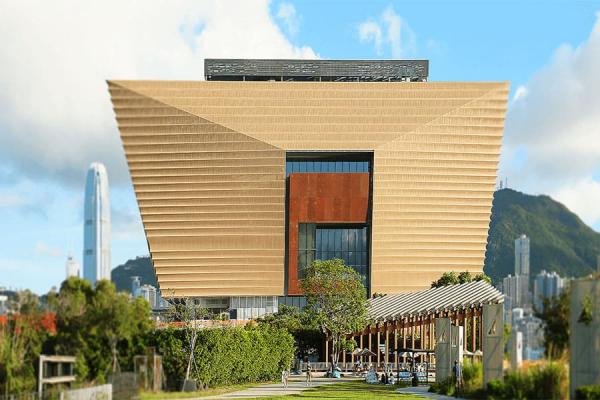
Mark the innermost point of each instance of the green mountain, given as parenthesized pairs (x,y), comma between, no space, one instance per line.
(559,240)
(139,266)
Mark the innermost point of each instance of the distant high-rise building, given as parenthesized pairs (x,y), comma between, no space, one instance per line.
(72,267)
(546,285)
(533,337)
(148,292)
(522,255)
(522,268)
(512,289)
(96,230)
(135,286)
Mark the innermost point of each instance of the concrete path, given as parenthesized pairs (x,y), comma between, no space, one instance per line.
(423,391)
(295,385)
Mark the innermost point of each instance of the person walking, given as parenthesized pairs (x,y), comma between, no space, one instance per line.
(285,374)
(308,374)
(457,377)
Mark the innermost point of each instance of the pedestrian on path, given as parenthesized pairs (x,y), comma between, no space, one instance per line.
(285,374)
(308,374)
(457,377)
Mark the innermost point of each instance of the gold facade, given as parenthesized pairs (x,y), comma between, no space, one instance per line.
(207,160)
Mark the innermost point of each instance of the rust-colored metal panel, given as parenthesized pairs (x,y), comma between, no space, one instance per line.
(323,198)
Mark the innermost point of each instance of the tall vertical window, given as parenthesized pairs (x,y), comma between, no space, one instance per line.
(306,247)
(350,243)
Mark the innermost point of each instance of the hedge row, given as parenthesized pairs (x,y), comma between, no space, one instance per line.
(591,392)
(226,356)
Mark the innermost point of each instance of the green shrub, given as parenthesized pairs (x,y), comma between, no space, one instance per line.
(591,392)
(472,376)
(445,387)
(548,382)
(226,356)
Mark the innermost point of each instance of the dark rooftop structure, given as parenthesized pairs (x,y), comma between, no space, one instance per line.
(223,69)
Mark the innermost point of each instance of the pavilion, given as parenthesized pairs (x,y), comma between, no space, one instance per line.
(404,323)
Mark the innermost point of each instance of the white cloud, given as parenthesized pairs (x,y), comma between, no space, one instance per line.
(520,93)
(370,31)
(55,111)
(43,249)
(554,122)
(287,14)
(391,30)
(582,197)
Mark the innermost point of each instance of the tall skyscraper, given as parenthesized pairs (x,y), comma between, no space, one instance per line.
(96,230)
(522,268)
(73,268)
(522,255)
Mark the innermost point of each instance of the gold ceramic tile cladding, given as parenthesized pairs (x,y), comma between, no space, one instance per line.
(207,160)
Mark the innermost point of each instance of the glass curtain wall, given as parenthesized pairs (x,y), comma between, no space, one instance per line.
(350,243)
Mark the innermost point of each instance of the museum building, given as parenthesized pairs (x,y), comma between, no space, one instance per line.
(245,178)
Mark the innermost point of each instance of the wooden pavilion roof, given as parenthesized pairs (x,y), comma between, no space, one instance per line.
(431,301)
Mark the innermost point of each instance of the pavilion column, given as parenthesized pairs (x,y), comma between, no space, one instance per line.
(404,330)
(352,353)
(370,344)
(344,359)
(431,333)
(464,324)
(412,333)
(473,330)
(387,343)
(421,333)
(480,318)
(377,327)
(396,343)
(425,339)
(327,351)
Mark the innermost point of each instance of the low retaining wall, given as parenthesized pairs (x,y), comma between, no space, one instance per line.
(103,392)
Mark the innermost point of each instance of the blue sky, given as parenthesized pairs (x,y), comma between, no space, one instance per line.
(56,117)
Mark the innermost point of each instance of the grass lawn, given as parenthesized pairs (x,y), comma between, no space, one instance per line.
(349,390)
(188,395)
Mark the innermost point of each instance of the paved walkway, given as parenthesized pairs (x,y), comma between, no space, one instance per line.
(296,385)
(423,391)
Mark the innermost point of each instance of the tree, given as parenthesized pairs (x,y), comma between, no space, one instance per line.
(308,339)
(336,302)
(22,334)
(101,327)
(555,316)
(186,314)
(451,278)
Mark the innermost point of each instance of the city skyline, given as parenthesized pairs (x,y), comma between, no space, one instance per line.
(40,195)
